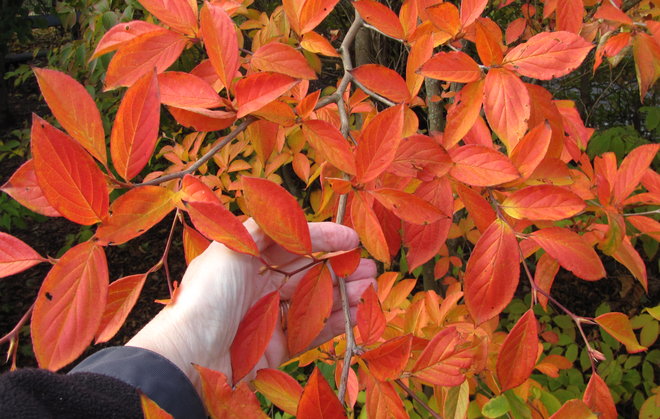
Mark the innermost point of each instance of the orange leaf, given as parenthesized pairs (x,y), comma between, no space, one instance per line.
(310,308)
(383,401)
(151,410)
(139,56)
(569,15)
(471,10)
(548,54)
(570,250)
(69,306)
(253,335)
(177,14)
(221,402)
(313,42)
(370,318)
(445,16)
(532,149)
(16,256)
(551,364)
(646,225)
(491,274)
(646,51)
(610,12)
(135,212)
(194,243)
(184,90)
(407,206)
(346,263)
(387,361)
(441,363)
(67,175)
(598,397)
(477,206)
(280,388)
(120,34)
(378,143)
(328,141)
(83,121)
(463,114)
(282,58)
(201,119)
(23,187)
(381,17)
(506,103)
(489,42)
(420,154)
(618,325)
(543,202)
(318,401)
(425,241)
(574,409)
(278,214)
(313,12)
(632,169)
(255,91)
(220,42)
(478,165)
(382,80)
(453,66)
(420,52)
(122,296)
(627,255)
(368,227)
(517,356)
(544,276)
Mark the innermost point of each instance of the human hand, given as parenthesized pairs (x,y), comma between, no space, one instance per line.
(220,286)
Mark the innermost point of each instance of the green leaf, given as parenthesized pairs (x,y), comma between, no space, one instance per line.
(496,407)
(649,333)
(518,408)
(550,402)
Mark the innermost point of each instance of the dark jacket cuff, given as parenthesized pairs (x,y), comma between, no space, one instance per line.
(154,375)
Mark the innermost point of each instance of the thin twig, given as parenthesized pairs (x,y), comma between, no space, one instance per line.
(207,156)
(417,399)
(372,93)
(14,332)
(167,252)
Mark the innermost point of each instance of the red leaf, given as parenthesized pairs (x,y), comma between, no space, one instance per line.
(610,12)
(318,401)
(346,263)
(278,214)
(548,54)
(67,175)
(184,90)
(139,56)
(478,165)
(368,227)
(570,250)
(569,15)
(632,169)
(506,103)
(463,114)
(310,308)
(532,149)
(253,335)
(618,325)
(201,119)
(280,388)
(221,402)
(69,306)
(378,143)
(441,363)
(598,397)
(16,256)
(471,10)
(477,206)
(382,80)
(135,131)
(383,401)
(491,274)
(420,153)
(23,187)
(646,51)
(420,52)
(220,42)
(179,15)
(517,356)
(122,296)
(83,121)
(381,17)
(328,141)
(135,212)
(120,34)
(407,206)
(282,58)
(453,66)
(543,202)
(370,318)
(387,361)
(255,91)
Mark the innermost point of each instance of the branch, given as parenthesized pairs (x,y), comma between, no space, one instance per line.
(417,399)
(166,252)
(206,157)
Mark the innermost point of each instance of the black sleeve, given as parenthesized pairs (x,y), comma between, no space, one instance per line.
(101,386)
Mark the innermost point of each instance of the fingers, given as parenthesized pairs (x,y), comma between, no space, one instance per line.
(331,237)
(335,326)
(354,289)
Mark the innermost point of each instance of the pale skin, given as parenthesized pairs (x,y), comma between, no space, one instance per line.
(221,285)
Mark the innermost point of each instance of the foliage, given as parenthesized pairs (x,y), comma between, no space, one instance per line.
(509,177)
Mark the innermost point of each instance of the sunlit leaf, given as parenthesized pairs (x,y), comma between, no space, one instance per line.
(220,42)
(532,149)
(407,206)
(16,256)
(478,165)
(120,34)
(453,66)
(506,103)
(370,318)
(282,58)
(318,401)
(328,141)
(378,144)
(543,202)
(387,361)
(184,90)
(382,399)
(463,114)
(380,16)
(24,188)
(368,227)
(632,169)
(618,325)
(255,91)
(382,80)
(179,15)
(280,388)
(441,362)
